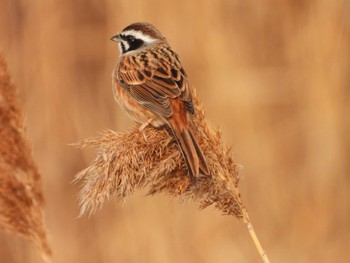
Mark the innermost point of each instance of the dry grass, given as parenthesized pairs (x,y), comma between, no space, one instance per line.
(21,199)
(132,160)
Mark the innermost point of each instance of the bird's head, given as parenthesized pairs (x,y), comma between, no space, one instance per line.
(137,36)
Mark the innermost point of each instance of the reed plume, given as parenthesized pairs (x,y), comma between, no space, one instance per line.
(131,160)
(21,198)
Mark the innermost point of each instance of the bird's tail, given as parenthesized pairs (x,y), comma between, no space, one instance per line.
(195,160)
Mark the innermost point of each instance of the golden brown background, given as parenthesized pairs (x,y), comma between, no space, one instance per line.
(275,75)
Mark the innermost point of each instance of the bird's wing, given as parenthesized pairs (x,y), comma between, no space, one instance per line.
(161,86)
(153,86)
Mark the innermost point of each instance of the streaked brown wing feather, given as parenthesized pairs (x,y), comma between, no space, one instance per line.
(153,86)
(152,100)
(131,78)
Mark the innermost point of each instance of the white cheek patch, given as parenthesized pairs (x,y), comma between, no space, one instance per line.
(123,47)
(139,35)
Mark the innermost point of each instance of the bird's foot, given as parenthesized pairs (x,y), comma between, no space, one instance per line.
(143,126)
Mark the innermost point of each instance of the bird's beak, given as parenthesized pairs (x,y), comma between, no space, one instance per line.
(116,38)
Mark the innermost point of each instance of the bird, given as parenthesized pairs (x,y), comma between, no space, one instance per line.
(151,86)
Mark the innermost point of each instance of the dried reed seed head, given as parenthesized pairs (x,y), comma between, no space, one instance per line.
(130,160)
(21,199)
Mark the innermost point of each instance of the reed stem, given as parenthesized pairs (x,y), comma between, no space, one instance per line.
(257,243)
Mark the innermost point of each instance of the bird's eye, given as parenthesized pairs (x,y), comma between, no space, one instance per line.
(131,38)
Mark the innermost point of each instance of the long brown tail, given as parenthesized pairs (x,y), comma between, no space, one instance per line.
(191,151)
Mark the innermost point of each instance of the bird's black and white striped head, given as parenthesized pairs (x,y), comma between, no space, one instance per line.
(136,37)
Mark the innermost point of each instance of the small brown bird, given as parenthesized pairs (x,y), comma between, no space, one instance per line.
(152,87)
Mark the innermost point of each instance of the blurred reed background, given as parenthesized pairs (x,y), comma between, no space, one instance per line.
(273,74)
